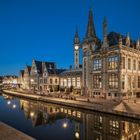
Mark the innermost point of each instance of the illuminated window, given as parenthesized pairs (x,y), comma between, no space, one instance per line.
(114,127)
(113,81)
(129,63)
(97,64)
(79,114)
(112,62)
(78,82)
(73,82)
(98,122)
(69,82)
(97,83)
(74,113)
(61,82)
(69,112)
(65,82)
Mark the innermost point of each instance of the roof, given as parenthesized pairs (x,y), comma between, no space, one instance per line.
(8,76)
(29,68)
(22,73)
(50,65)
(71,72)
(39,66)
(113,39)
(55,71)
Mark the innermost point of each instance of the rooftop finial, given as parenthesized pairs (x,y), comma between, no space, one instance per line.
(90,27)
(105,41)
(120,40)
(128,40)
(76,39)
(138,44)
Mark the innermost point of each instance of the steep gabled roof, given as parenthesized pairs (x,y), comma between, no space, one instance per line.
(29,68)
(39,66)
(22,73)
(50,65)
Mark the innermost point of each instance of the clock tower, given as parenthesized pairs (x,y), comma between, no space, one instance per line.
(76,51)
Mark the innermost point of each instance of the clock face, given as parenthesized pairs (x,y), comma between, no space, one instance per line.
(76,47)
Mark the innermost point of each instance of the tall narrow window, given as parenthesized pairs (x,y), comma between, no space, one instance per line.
(129,63)
(123,62)
(97,64)
(73,82)
(69,82)
(139,65)
(97,83)
(51,81)
(123,81)
(113,81)
(61,82)
(65,82)
(138,81)
(78,82)
(112,62)
(134,64)
(55,81)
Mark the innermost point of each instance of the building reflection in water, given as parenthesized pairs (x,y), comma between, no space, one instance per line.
(95,126)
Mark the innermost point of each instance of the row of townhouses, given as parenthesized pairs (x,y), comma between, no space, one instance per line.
(46,77)
(9,81)
(110,68)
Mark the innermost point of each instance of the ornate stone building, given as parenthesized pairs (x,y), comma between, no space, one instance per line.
(111,69)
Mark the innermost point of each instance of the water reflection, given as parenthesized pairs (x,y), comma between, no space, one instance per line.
(80,124)
(96,126)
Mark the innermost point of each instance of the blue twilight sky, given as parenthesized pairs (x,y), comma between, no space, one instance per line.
(44,29)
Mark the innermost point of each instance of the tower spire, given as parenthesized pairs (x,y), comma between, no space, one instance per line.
(76,39)
(120,41)
(90,27)
(128,40)
(76,50)
(105,42)
(138,44)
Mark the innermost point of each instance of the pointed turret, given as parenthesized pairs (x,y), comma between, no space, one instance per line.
(120,41)
(105,41)
(138,44)
(90,27)
(128,40)
(76,39)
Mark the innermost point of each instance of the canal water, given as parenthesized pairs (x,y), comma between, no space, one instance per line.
(45,121)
